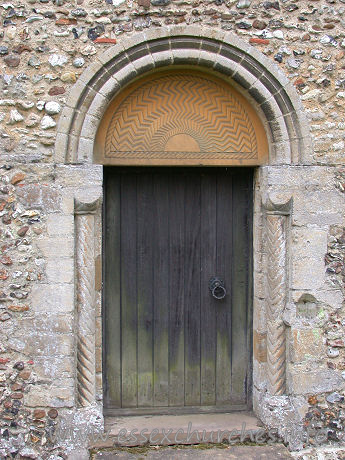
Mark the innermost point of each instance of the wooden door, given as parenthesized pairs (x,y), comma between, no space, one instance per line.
(169,345)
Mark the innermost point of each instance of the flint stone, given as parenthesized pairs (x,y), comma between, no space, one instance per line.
(57,60)
(52,108)
(47,122)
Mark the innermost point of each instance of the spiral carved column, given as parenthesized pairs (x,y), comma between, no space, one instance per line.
(85,279)
(276,224)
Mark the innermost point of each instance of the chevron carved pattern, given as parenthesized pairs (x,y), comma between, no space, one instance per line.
(276,299)
(174,105)
(86,314)
(276,274)
(276,357)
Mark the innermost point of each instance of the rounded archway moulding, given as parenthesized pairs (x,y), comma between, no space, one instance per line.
(180,117)
(253,75)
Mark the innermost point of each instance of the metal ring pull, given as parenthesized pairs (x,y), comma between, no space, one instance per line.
(217,288)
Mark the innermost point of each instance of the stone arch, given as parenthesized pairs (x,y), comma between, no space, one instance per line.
(224,53)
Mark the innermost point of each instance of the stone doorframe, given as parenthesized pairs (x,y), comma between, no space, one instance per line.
(279,107)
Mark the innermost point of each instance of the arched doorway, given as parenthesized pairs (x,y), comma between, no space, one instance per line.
(274,98)
(174,339)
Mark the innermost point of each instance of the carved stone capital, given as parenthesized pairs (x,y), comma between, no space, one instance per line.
(86,207)
(272,206)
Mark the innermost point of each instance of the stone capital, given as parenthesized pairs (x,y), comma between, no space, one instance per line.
(86,207)
(275,205)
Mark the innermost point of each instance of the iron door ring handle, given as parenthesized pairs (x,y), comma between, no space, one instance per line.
(217,288)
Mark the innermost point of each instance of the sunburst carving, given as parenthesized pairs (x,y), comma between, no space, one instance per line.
(176,105)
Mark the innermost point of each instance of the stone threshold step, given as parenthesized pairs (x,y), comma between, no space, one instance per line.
(165,430)
(274,452)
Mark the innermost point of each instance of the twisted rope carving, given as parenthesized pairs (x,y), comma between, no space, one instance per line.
(276,298)
(86,314)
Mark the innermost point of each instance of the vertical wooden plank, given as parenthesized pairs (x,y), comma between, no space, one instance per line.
(249,289)
(241,194)
(129,289)
(192,290)
(176,289)
(160,238)
(112,298)
(208,271)
(145,289)
(224,264)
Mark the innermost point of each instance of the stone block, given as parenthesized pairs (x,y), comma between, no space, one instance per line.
(98,270)
(305,382)
(65,119)
(186,56)
(259,314)
(98,328)
(89,127)
(98,357)
(78,454)
(260,284)
(59,224)
(307,273)
(225,66)
(126,74)
(110,88)
(301,178)
(73,144)
(67,201)
(53,367)
(39,344)
(56,247)
(82,176)
(333,297)
(194,31)
(38,396)
(88,75)
(47,323)
(206,59)
(60,270)
(96,109)
(279,132)
(57,298)
(309,249)
(99,387)
(48,396)
(306,345)
(260,346)
(110,54)
(162,58)
(61,146)
(144,64)
(37,196)
(317,207)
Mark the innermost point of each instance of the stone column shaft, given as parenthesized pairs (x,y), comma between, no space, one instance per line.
(277,293)
(85,279)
